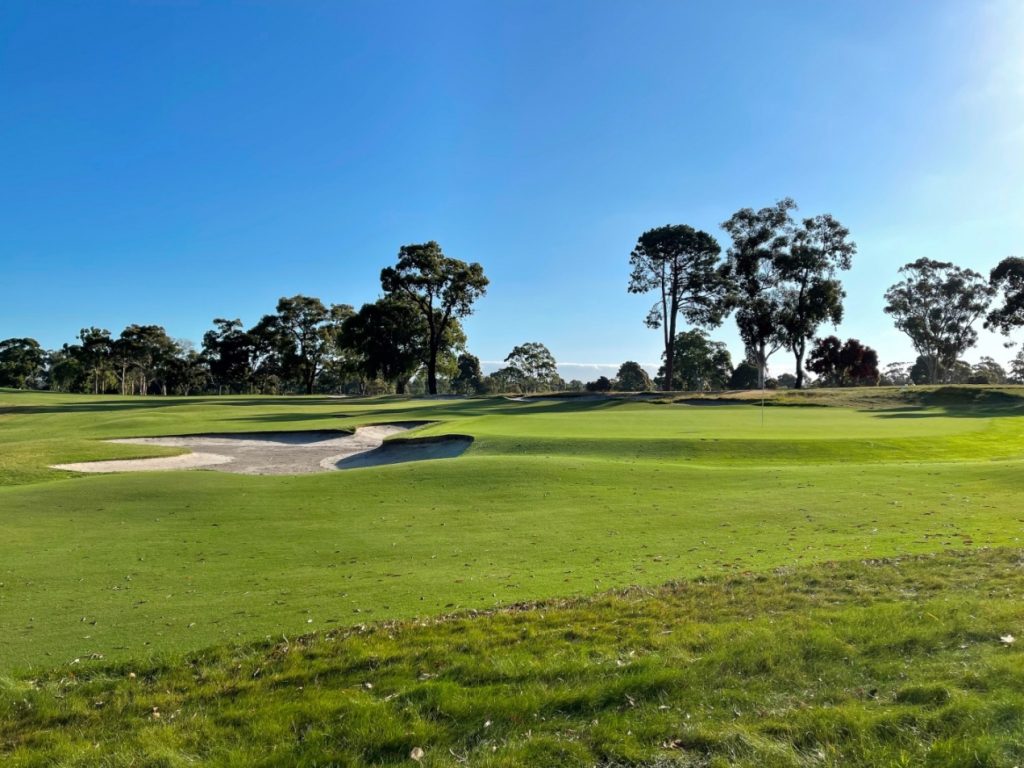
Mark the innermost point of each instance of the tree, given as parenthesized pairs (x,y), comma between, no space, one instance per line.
(896,375)
(1017,368)
(700,364)
(533,368)
(186,372)
(387,338)
(21,362)
(443,289)
(64,369)
(95,354)
(987,371)
(1008,279)
(811,295)
(681,264)
(601,384)
(758,239)
(469,380)
(921,370)
(843,365)
(936,305)
(859,364)
(503,380)
(303,330)
(139,353)
(787,381)
(633,378)
(229,351)
(745,376)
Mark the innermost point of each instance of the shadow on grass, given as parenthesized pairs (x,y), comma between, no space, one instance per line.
(158,401)
(347,408)
(448,410)
(955,402)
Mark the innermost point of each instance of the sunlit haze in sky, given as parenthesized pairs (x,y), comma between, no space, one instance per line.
(172,162)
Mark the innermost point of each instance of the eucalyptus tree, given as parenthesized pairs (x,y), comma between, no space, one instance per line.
(468,379)
(759,239)
(303,330)
(533,368)
(228,349)
(681,265)
(21,362)
(937,304)
(64,369)
(819,247)
(442,288)
(95,354)
(386,339)
(140,352)
(632,378)
(700,364)
(1007,278)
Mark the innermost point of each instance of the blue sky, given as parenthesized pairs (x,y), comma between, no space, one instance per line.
(171,162)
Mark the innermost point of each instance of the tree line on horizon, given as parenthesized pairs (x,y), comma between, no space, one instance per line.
(779,278)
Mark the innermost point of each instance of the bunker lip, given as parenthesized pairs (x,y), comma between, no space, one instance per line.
(401,451)
(279,453)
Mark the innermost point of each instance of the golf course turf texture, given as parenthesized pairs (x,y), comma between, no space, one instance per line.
(556,498)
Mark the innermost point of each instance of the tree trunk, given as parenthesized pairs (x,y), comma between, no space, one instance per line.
(432,373)
(400,386)
(798,352)
(762,366)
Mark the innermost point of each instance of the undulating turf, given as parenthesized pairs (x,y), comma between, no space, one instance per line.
(554,498)
(758,655)
(903,662)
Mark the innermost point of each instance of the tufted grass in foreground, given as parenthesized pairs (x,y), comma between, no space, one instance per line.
(892,662)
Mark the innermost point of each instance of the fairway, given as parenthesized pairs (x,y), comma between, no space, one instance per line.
(554,498)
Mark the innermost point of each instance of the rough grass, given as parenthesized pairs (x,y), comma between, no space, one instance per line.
(555,498)
(856,663)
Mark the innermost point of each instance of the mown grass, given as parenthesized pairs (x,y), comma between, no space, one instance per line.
(554,499)
(855,663)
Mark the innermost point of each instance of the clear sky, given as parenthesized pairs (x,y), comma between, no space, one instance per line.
(171,162)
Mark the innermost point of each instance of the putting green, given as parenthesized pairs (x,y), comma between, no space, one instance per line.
(555,497)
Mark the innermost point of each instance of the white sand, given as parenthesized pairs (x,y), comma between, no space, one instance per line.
(279,453)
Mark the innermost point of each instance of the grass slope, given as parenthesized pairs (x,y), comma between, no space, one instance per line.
(555,498)
(859,663)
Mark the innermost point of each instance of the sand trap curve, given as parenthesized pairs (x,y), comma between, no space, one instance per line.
(282,453)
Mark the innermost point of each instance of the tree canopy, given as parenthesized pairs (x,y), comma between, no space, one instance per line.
(841,364)
(681,264)
(302,330)
(442,288)
(387,339)
(819,247)
(937,304)
(21,362)
(701,365)
(757,298)
(1007,278)
(532,368)
(632,378)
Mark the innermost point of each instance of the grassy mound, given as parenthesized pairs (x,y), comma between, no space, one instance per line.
(857,663)
(553,499)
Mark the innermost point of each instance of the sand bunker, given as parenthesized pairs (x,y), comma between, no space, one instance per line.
(284,453)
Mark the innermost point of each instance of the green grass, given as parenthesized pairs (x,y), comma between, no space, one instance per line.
(557,499)
(858,663)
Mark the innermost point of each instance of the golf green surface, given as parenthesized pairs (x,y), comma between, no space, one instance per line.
(554,498)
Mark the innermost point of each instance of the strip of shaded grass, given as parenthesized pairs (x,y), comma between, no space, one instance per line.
(895,662)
